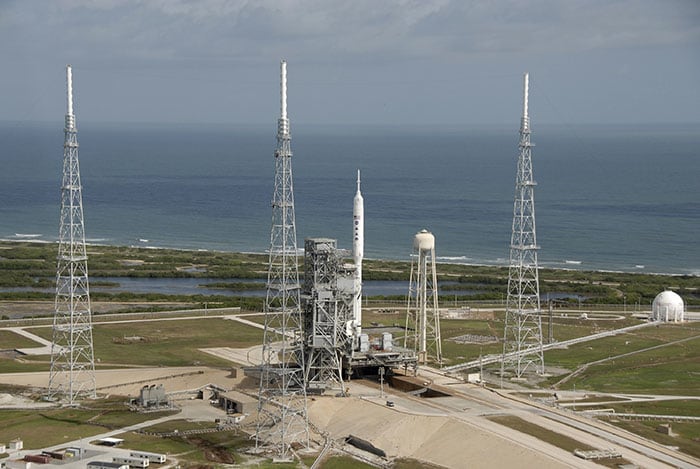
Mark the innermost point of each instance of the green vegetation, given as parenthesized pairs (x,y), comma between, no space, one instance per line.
(672,369)
(687,437)
(40,428)
(168,343)
(10,340)
(551,437)
(33,264)
(345,462)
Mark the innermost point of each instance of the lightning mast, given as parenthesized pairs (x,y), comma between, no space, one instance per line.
(282,416)
(72,372)
(522,340)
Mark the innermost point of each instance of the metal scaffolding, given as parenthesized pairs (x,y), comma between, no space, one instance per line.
(282,416)
(423,317)
(522,339)
(327,296)
(72,372)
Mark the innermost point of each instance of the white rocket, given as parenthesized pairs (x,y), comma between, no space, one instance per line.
(358,248)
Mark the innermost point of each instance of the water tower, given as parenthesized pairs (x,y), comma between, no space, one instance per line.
(422,319)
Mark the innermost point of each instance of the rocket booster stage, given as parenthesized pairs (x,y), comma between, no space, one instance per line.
(358,248)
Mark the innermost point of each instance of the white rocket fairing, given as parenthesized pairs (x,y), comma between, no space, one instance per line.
(358,248)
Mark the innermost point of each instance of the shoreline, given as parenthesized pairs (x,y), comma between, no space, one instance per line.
(445,260)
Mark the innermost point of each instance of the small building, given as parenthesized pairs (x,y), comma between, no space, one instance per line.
(16,444)
(106,465)
(234,402)
(668,306)
(153,396)
(666,429)
(109,441)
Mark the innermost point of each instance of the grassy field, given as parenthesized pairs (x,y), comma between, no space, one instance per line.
(673,369)
(553,438)
(10,340)
(687,437)
(47,427)
(168,343)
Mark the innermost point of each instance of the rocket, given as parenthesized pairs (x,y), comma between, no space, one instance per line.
(358,248)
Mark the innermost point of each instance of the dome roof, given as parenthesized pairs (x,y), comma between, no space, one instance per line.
(668,298)
(667,306)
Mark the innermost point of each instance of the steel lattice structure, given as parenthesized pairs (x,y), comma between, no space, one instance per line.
(423,318)
(282,416)
(522,339)
(328,296)
(72,374)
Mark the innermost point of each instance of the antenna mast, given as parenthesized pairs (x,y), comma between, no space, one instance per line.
(72,373)
(522,340)
(282,416)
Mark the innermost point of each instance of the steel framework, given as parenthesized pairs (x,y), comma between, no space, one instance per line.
(328,295)
(72,372)
(282,416)
(423,318)
(522,339)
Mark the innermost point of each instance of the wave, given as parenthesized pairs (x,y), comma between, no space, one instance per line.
(31,235)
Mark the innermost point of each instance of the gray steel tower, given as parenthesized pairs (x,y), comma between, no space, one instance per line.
(282,417)
(522,339)
(328,295)
(72,374)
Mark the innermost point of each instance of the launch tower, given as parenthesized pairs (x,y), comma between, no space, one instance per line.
(282,416)
(72,372)
(328,297)
(423,319)
(522,340)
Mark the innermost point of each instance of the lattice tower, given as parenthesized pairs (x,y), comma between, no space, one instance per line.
(282,419)
(72,372)
(522,340)
(422,318)
(328,295)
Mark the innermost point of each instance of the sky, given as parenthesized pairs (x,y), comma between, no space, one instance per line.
(396,62)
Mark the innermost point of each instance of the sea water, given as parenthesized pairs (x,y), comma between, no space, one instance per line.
(623,198)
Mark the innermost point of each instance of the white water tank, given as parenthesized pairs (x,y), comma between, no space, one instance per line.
(424,241)
(667,307)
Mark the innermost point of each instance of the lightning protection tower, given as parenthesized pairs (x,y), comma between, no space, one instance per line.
(522,340)
(72,372)
(422,318)
(282,417)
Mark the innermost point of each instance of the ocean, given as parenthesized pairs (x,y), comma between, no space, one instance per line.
(620,198)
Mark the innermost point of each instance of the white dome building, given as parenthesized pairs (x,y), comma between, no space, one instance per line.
(667,307)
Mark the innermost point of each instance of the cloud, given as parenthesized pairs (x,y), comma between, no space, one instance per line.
(223,30)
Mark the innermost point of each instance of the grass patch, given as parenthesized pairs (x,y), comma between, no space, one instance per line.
(408,463)
(10,340)
(168,343)
(47,427)
(687,441)
(541,433)
(548,436)
(345,462)
(689,407)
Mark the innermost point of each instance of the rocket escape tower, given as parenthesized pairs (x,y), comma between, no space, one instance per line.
(282,417)
(522,341)
(72,374)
